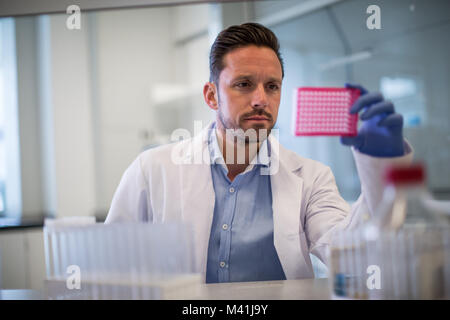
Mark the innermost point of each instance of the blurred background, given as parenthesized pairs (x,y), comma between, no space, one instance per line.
(77,106)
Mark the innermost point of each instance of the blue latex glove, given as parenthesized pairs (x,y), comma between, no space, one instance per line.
(381,132)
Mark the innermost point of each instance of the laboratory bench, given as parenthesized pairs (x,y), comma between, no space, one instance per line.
(303,289)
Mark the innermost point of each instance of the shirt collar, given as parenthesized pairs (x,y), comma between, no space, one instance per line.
(262,158)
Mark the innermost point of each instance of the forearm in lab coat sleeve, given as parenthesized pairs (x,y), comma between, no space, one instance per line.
(329,212)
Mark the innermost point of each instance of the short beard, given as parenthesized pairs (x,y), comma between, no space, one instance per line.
(251,135)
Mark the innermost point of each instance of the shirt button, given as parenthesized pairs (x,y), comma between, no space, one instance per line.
(224,226)
(231,190)
(222,264)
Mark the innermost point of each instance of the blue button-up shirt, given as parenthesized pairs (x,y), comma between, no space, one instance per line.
(241,242)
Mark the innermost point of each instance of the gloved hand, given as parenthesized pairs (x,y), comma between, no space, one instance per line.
(381,132)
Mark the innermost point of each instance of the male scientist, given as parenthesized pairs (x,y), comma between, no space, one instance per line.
(252,223)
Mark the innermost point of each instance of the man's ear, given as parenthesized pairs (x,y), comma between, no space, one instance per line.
(209,94)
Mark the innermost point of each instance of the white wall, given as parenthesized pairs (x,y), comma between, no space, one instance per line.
(85,99)
(133,52)
(136,52)
(22,259)
(72,124)
(10,113)
(28,112)
(54,118)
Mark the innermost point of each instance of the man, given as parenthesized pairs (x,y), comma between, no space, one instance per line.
(249,225)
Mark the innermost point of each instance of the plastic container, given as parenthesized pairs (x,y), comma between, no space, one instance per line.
(121,261)
(402,252)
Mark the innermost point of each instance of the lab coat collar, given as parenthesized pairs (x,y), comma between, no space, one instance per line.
(287,189)
(262,158)
(273,155)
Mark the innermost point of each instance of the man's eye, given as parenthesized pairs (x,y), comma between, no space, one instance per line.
(243,85)
(273,87)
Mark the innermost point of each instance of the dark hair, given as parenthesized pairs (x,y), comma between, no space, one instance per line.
(239,36)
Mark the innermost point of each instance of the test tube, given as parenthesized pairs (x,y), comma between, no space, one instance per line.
(131,246)
(140,260)
(92,262)
(74,257)
(57,258)
(392,269)
(401,264)
(373,259)
(446,249)
(100,254)
(339,257)
(102,237)
(350,264)
(412,254)
(386,267)
(359,265)
(48,247)
(112,262)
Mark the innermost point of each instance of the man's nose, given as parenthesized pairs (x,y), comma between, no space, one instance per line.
(259,99)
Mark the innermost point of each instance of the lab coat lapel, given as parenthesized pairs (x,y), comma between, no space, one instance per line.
(287,187)
(198,202)
(198,195)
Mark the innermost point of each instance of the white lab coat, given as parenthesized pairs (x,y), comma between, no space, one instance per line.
(307,206)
